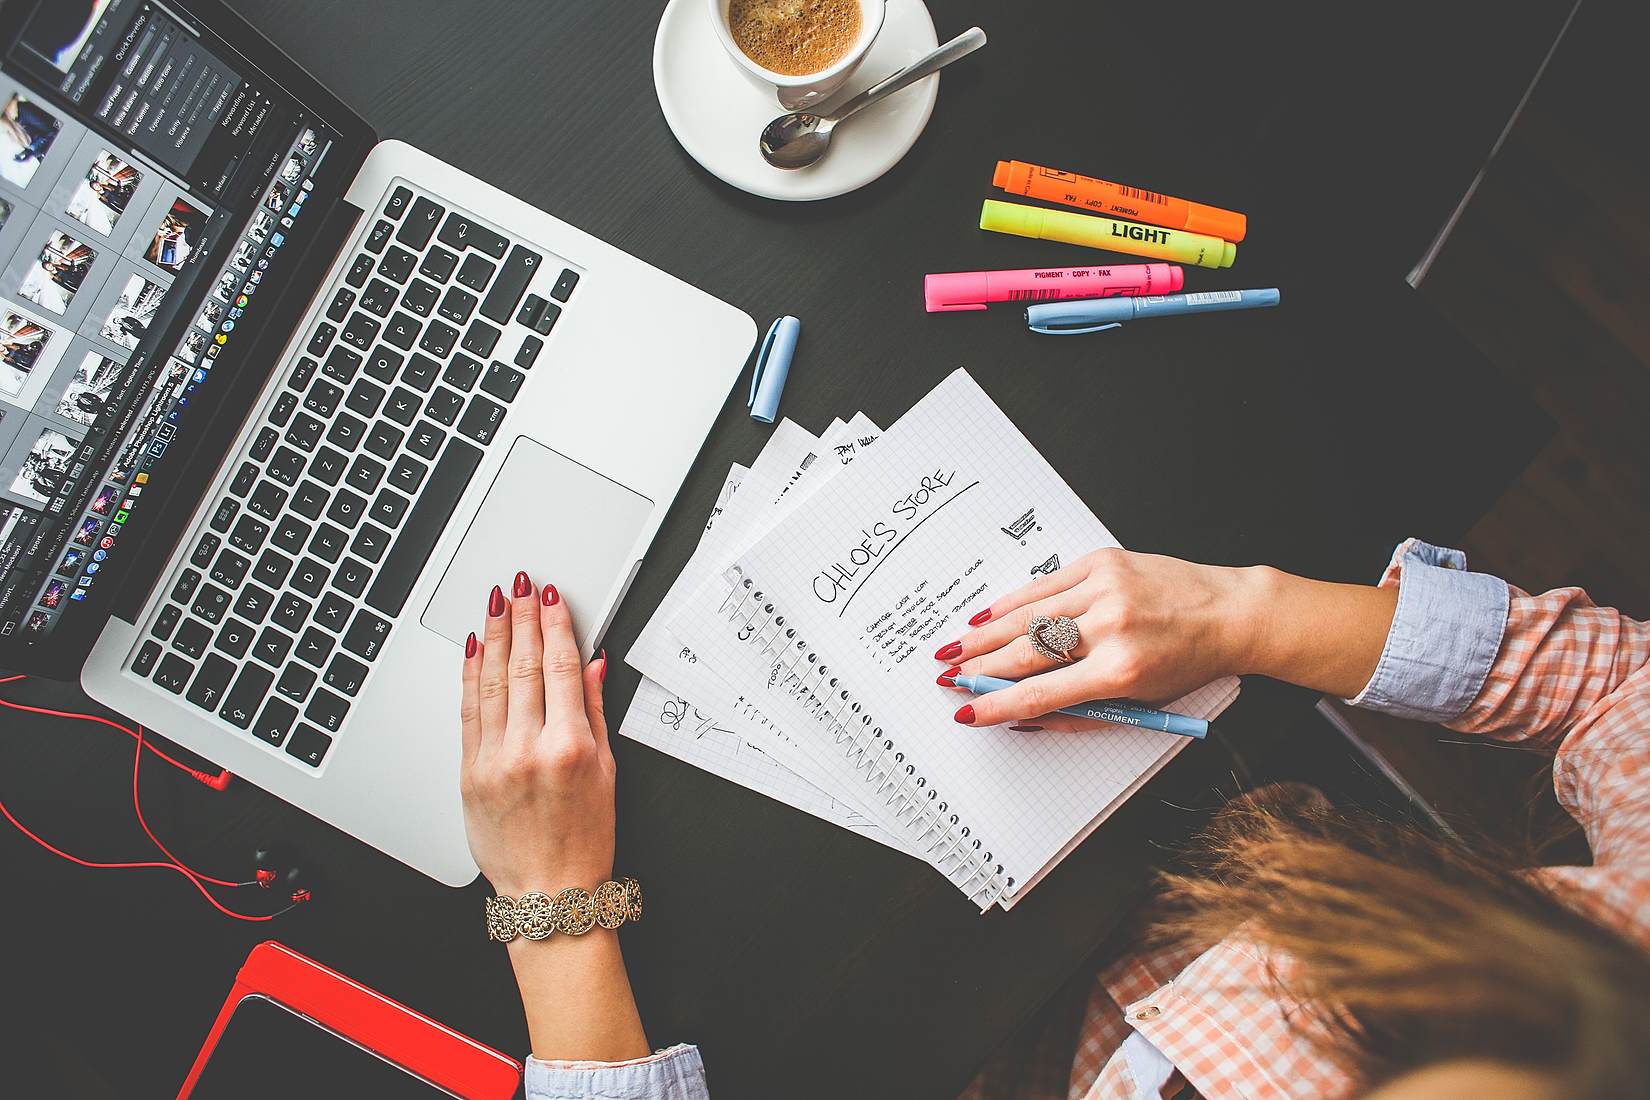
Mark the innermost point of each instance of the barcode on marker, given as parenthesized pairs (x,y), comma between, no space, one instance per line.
(1143,196)
(1032,295)
(1210,297)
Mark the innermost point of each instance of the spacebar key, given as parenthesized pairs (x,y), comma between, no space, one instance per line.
(510,284)
(423,527)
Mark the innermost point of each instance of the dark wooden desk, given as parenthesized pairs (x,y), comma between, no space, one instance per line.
(806,961)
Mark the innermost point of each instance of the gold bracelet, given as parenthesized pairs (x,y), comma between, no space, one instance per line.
(573,912)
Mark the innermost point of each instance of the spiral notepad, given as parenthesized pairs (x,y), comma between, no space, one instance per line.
(829,622)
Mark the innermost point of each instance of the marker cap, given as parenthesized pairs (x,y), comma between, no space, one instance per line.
(951,292)
(1212,221)
(773,366)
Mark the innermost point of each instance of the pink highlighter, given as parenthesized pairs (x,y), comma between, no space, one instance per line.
(961,290)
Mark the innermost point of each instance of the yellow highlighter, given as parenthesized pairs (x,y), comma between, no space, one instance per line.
(1108,233)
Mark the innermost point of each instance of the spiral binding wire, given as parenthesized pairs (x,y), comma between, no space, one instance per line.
(962,857)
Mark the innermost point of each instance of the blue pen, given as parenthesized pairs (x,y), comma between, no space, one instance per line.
(1103,710)
(1097,314)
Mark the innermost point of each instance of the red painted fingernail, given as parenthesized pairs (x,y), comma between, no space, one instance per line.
(495,602)
(550,595)
(965,714)
(523,586)
(948,678)
(470,646)
(949,652)
(981,618)
(601,676)
(1025,729)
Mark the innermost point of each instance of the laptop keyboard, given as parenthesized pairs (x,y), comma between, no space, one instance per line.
(310,552)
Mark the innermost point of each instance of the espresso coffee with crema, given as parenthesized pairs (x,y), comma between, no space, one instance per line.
(794,37)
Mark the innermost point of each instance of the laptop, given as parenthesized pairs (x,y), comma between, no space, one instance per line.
(280,402)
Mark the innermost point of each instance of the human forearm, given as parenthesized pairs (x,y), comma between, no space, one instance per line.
(577,997)
(1320,635)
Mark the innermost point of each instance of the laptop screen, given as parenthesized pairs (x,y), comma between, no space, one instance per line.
(150,176)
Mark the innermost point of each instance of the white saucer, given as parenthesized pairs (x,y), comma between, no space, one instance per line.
(716,112)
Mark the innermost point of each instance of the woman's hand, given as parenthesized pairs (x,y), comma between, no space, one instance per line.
(537,773)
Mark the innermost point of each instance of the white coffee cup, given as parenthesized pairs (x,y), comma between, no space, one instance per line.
(797,93)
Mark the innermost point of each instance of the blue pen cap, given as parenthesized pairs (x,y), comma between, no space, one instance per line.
(1092,314)
(773,366)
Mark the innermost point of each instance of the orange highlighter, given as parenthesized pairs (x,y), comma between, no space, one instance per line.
(1117,200)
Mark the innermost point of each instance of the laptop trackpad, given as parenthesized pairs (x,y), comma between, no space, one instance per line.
(562,522)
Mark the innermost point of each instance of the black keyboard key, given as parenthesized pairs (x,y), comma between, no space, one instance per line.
(481,420)
(328,543)
(309,577)
(145,659)
(347,431)
(388,508)
(248,694)
(378,238)
(211,682)
(351,577)
(402,407)
(364,398)
(365,473)
(546,321)
(439,340)
(420,225)
(211,603)
(459,233)
(328,466)
(254,602)
(267,438)
(347,508)
(532,308)
(173,673)
(272,569)
(338,309)
(476,273)
(425,440)
(370,542)
(503,382)
(309,500)
(314,647)
(367,635)
(205,549)
(287,466)
(272,647)
(333,612)
(248,535)
(384,363)
(379,297)
(457,305)
(244,479)
(295,682)
(422,528)
(267,499)
(360,332)
(282,412)
(397,264)
(421,298)
(192,638)
(565,284)
(166,621)
(309,745)
(438,264)
(345,674)
(275,721)
(290,533)
(421,372)
(323,399)
(481,339)
(443,406)
(463,372)
(397,206)
(530,348)
(305,432)
(230,568)
(408,474)
(234,637)
(185,586)
(359,270)
(510,284)
(322,337)
(224,514)
(402,330)
(291,611)
(341,364)
(383,439)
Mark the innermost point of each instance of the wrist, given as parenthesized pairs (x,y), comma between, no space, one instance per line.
(1245,636)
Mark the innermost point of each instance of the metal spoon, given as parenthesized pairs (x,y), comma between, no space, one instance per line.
(798,139)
